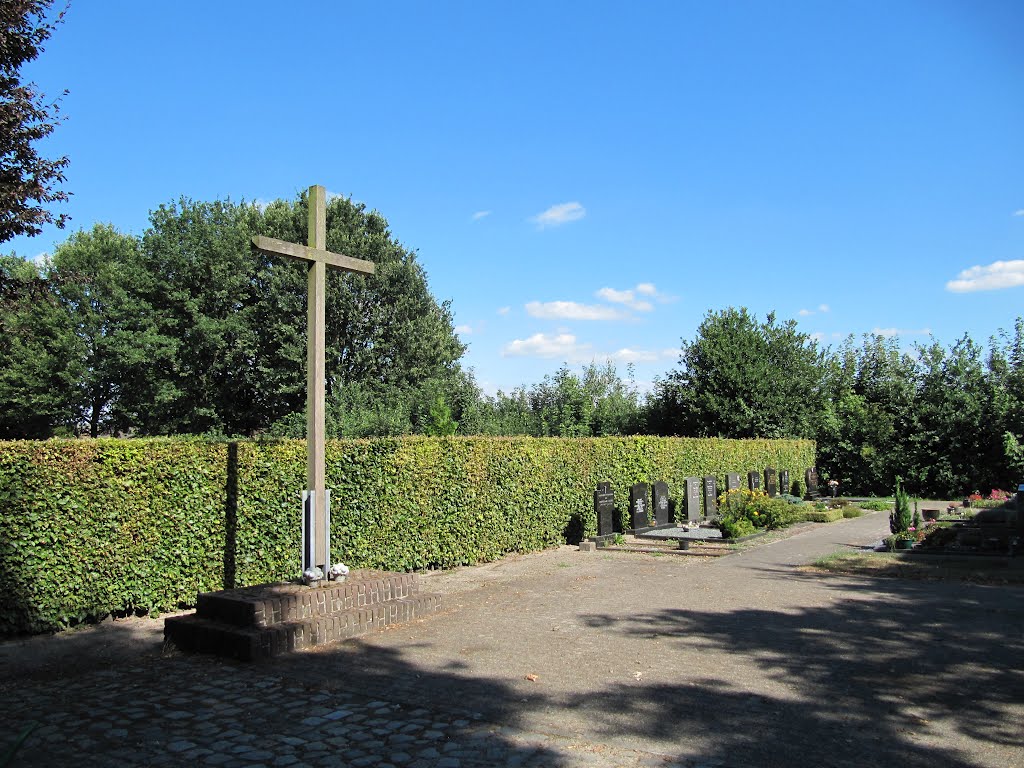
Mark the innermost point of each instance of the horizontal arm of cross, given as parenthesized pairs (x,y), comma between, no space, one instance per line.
(274,247)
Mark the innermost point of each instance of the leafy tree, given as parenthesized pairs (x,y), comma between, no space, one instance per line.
(239,317)
(94,276)
(867,420)
(39,354)
(28,181)
(742,378)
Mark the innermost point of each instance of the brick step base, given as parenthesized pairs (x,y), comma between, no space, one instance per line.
(271,619)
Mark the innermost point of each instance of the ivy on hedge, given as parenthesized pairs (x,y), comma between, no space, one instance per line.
(90,527)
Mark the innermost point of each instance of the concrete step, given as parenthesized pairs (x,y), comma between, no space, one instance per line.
(271,619)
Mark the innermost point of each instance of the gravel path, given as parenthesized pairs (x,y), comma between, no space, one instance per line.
(565,658)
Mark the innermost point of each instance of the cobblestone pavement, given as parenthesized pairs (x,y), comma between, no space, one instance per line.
(203,712)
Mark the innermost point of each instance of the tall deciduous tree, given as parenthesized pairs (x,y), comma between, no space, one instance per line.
(28,181)
(742,378)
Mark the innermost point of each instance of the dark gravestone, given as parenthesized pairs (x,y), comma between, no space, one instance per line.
(784,481)
(732,481)
(661,508)
(693,499)
(754,480)
(710,498)
(811,481)
(604,509)
(639,506)
(770,482)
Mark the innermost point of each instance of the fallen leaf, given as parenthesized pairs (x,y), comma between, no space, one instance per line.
(532,678)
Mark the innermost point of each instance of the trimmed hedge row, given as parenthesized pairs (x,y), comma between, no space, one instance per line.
(90,527)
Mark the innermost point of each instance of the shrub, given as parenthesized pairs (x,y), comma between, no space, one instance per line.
(822,515)
(899,518)
(735,528)
(875,505)
(757,508)
(851,512)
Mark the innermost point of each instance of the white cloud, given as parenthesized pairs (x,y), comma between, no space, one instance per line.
(542,345)
(504,310)
(480,214)
(1019,213)
(887,332)
(41,259)
(571,310)
(464,329)
(817,336)
(559,214)
(647,289)
(627,355)
(668,352)
(625,297)
(991,277)
(823,308)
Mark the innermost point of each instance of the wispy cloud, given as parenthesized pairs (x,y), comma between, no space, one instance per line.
(991,277)
(822,308)
(571,310)
(480,215)
(563,345)
(625,297)
(41,259)
(464,329)
(1019,213)
(559,214)
(504,310)
(887,332)
(817,336)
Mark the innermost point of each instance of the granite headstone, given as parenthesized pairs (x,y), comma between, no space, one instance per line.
(604,509)
(639,506)
(710,498)
(661,505)
(811,480)
(693,499)
(754,480)
(784,481)
(771,484)
(732,481)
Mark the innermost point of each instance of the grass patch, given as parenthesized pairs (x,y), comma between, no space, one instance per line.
(894,565)
(876,505)
(823,515)
(849,512)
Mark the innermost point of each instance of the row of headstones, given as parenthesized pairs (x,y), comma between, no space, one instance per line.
(642,515)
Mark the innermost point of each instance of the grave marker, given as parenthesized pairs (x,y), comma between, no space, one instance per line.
(693,499)
(604,509)
(316,519)
(811,482)
(770,482)
(639,508)
(710,498)
(784,483)
(661,505)
(754,480)
(732,481)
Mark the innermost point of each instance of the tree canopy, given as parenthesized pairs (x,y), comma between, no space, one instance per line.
(28,181)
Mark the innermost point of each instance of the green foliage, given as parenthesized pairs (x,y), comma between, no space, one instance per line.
(875,505)
(851,512)
(756,508)
(825,515)
(29,180)
(899,518)
(93,526)
(742,378)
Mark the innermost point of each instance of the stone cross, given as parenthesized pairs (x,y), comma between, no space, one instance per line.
(316,545)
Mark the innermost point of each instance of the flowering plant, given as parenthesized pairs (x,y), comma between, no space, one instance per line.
(998,495)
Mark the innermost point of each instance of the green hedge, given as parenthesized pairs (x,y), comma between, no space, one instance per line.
(90,527)
(823,515)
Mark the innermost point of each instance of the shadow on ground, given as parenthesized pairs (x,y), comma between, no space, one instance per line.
(928,676)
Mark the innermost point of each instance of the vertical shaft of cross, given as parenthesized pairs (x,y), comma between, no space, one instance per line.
(316,384)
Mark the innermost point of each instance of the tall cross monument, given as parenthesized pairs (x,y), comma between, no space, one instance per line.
(316,499)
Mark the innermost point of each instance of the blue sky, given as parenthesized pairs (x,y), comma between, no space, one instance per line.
(586,180)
